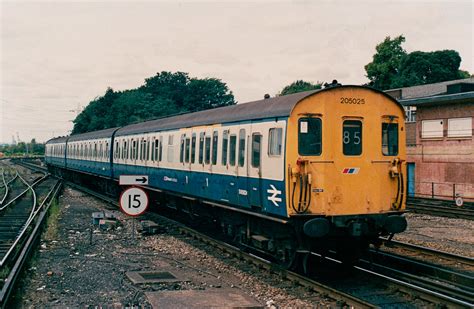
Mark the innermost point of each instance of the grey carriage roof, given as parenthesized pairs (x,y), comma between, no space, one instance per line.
(266,108)
(93,135)
(58,140)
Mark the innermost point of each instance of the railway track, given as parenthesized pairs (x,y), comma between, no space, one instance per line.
(21,219)
(441,208)
(383,281)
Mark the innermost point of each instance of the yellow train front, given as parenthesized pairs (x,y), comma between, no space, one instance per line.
(345,158)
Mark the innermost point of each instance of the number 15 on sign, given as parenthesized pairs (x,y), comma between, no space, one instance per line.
(134,201)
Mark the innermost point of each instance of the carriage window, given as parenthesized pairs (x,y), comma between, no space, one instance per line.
(160,150)
(390,139)
(241,147)
(193,148)
(208,150)
(256,146)
(181,149)
(309,137)
(225,144)
(201,147)
(215,138)
(153,149)
(274,141)
(352,137)
(170,153)
(232,148)
(186,150)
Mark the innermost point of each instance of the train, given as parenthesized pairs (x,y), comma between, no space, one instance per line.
(315,171)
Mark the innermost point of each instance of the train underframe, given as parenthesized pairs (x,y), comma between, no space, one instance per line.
(287,242)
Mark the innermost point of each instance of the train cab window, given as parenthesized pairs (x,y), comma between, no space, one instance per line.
(215,138)
(390,139)
(274,141)
(232,149)
(256,147)
(241,147)
(352,137)
(225,145)
(309,137)
(207,158)
(201,147)
(187,150)
(193,148)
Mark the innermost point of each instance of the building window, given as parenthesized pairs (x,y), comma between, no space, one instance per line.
(432,128)
(460,127)
(410,112)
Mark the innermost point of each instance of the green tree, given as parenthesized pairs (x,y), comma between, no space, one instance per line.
(419,68)
(164,94)
(299,86)
(385,64)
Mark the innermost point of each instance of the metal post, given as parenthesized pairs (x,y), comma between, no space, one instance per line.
(432,190)
(133,228)
(454,190)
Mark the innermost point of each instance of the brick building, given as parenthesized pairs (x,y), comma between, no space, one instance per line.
(440,147)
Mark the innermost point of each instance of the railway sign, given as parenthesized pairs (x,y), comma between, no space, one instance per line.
(130,180)
(134,201)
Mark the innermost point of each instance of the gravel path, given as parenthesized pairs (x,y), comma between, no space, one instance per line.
(71,271)
(446,234)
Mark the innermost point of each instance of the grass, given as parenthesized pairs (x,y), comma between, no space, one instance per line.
(52,223)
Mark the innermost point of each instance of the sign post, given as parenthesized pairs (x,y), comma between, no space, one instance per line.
(134,202)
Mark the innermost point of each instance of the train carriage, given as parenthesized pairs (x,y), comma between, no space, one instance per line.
(314,170)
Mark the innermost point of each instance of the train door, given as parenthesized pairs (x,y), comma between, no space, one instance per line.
(255,172)
(411,179)
(243,166)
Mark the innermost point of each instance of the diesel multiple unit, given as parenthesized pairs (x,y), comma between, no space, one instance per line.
(319,170)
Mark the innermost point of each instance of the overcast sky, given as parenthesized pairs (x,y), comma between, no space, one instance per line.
(58,55)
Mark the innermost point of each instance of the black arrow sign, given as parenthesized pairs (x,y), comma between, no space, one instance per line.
(142,180)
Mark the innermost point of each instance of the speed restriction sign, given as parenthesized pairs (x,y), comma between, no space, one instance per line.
(134,201)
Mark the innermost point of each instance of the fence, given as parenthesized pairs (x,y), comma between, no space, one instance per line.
(443,190)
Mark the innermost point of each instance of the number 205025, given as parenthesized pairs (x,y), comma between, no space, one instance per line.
(345,100)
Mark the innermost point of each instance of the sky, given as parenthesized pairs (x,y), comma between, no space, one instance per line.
(58,56)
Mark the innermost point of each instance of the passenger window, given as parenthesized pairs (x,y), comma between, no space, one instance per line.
(232,149)
(208,150)
(241,147)
(274,141)
(193,148)
(256,145)
(215,137)
(225,144)
(187,149)
(201,147)
(390,139)
(160,150)
(352,137)
(309,137)
(181,149)
(170,153)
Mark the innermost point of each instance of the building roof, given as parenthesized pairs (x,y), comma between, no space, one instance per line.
(464,97)
(428,90)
